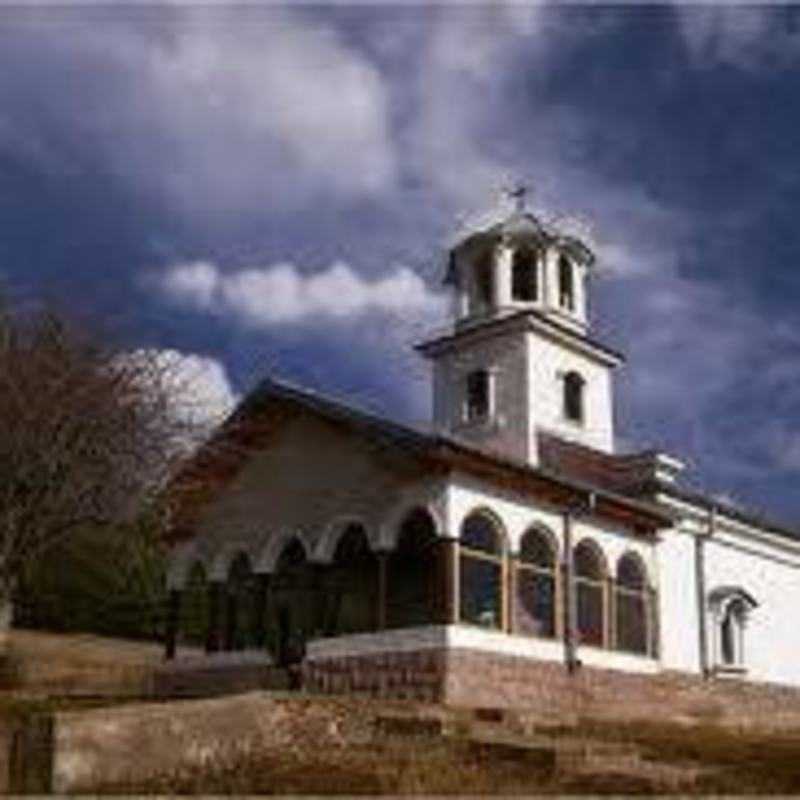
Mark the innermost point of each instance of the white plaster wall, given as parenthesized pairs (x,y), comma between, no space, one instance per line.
(310,476)
(678,606)
(466,494)
(548,362)
(772,577)
(505,356)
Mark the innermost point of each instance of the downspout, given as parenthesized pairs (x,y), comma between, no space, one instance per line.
(700,576)
(570,610)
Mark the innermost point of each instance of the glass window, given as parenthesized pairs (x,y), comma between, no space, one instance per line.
(481,560)
(566,284)
(524,275)
(477,395)
(573,397)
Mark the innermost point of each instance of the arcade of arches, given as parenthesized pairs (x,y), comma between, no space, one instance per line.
(426,579)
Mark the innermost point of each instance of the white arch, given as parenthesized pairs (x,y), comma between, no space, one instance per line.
(180,561)
(223,558)
(389,529)
(267,558)
(326,547)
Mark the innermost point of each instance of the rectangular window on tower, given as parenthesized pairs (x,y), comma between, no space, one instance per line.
(477,404)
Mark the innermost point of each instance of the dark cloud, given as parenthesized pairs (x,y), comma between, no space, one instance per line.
(133,139)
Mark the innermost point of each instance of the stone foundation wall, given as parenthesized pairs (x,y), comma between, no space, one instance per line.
(466,678)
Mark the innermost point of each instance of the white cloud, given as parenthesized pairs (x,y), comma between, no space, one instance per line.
(281,294)
(219,110)
(199,386)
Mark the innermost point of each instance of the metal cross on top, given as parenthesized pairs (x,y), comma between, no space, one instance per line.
(518,193)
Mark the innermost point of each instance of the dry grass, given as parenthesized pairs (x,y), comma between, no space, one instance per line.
(692,760)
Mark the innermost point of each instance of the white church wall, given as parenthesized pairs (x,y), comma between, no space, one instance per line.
(506,430)
(772,576)
(549,362)
(310,476)
(678,603)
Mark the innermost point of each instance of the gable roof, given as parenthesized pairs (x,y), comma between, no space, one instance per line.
(250,426)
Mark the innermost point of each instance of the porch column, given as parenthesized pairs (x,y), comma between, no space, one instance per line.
(231,618)
(260,611)
(382,558)
(448,553)
(511,594)
(651,621)
(569,610)
(610,612)
(173,622)
(214,634)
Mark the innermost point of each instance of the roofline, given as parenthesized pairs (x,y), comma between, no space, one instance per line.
(534,316)
(711,504)
(436,444)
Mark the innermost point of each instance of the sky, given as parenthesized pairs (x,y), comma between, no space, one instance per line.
(271,189)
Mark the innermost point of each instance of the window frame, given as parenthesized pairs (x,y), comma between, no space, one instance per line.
(574,392)
(485,412)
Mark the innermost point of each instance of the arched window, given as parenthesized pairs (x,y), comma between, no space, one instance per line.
(731,607)
(590,576)
(413,572)
(478,400)
(352,584)
(536,585)
(524,275)
(573,396)
(483,280)
(631,605)
(481,571)
(566,283)
(194,607)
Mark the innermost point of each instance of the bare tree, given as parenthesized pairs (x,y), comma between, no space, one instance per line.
(88,435)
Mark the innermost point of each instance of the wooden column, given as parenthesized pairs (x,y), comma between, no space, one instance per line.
(213,636)
(382,558)
(610,612)
(651,620)
(449,603)
(511,594)
(173,623)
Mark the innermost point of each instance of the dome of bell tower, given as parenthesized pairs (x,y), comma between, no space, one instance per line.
(518,263)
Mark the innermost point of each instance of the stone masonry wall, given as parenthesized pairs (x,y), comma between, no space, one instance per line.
(476,679)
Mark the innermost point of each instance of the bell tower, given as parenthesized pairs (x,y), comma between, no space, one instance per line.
(518,358)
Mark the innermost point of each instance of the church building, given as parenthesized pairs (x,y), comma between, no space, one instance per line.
(499,556)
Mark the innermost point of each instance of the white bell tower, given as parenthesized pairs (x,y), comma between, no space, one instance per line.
(519,358)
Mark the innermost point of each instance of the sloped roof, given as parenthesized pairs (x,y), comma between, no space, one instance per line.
(215,466)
